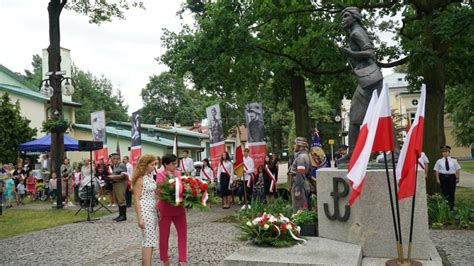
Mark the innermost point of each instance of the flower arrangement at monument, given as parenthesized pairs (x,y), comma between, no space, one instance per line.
(187,191)
(272,230)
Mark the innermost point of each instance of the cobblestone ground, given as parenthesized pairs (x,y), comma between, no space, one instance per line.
(106,242)
(458,245)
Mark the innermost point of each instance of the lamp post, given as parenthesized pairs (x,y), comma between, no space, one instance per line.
(51,88)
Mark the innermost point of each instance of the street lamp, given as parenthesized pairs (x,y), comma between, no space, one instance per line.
(51,88)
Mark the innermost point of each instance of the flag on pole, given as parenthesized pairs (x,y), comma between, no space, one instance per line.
(411,150)
(117,147)
(363,148)
(239,156)
(318,157)
(384,136)
(175,143)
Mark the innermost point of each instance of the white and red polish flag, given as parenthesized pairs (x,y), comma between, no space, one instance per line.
(376,134)
(384,135)
(361,154)
(411,150)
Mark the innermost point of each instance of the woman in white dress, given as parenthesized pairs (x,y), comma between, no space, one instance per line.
(144,191)
(206,173)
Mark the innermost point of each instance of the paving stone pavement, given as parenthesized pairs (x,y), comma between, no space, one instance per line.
(457,244)
(107,242)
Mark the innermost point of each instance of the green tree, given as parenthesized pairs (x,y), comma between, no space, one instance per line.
(35,76)
(165,97)
(95,94)
(15,129)
(238,47)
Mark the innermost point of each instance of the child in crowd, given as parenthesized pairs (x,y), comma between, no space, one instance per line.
(258,193)
(76,181)
(40,188)
(9,190)
(53,186)
(31,186)
(21,193)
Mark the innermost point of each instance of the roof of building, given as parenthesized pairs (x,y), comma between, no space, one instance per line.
(146,138)
(18,78)
(32,94)
(172,130)
(396,80)
(29,90)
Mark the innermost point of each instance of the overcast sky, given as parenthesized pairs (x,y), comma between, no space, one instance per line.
(122,50)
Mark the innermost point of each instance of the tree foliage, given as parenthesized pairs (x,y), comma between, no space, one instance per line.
(15,129)
(36,75)
(95,94)
(165,98)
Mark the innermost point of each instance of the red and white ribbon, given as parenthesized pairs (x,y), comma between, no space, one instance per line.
(179,191)
(205,174)
(204,198)
(250,181)
(227,172)
(183,167)
(272,177)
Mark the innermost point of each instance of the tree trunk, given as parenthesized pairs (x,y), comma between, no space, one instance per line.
(54,65)
(300,104)
(434,136)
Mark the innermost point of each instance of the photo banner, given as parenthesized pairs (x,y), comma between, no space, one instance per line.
(136,148)
(99,133)
(256,132)
(216,134)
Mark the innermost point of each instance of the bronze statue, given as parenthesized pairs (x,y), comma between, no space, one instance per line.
(361,56)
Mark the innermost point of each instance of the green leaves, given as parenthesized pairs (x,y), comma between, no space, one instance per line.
(15,129)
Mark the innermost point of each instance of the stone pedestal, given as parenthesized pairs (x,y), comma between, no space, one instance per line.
(316,251)
(370,221)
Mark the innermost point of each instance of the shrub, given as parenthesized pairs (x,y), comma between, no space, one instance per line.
(438,211)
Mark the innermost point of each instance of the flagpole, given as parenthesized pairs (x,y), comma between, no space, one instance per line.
(412,212)
(397,206)
(400,258)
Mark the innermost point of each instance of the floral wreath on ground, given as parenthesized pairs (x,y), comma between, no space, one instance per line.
(187,191)
(272,230)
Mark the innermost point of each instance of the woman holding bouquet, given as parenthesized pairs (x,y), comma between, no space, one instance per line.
(171,214)
(144,187)
(225,172)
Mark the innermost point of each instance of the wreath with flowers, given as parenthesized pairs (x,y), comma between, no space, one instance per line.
(272,230)
(186,191)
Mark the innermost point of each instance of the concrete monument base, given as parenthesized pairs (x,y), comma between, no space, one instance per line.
(369,223)
(316,251)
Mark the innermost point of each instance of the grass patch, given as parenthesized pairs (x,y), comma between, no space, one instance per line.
(467,166)
(464,194)
(19,221)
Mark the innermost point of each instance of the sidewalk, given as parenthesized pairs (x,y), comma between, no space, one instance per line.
(466,180)
(108,242)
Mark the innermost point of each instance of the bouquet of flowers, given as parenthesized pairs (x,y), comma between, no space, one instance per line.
(187,191)
(305,217)
(270,230)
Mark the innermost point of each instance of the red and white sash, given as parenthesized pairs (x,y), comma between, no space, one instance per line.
(272,177)
(250,181)
(183,167)
(205,174)
(228,173)
(178,196)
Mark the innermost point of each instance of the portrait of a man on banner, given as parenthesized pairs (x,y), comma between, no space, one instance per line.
(254,119)
(98,126)
(215,124)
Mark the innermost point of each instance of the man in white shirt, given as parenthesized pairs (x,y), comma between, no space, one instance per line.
(128,192)
(248,173)
(186,164)
(447,172)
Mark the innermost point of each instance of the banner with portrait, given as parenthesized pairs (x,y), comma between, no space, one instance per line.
(256,132)
(99,133)
(136,148)
(216,134)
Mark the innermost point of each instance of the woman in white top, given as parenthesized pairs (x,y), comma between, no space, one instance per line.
(225,172)
(144,190)
(206,173)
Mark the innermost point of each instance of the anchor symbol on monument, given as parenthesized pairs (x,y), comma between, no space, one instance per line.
(336,194)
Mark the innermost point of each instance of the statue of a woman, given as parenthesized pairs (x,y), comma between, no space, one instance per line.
(361,55)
